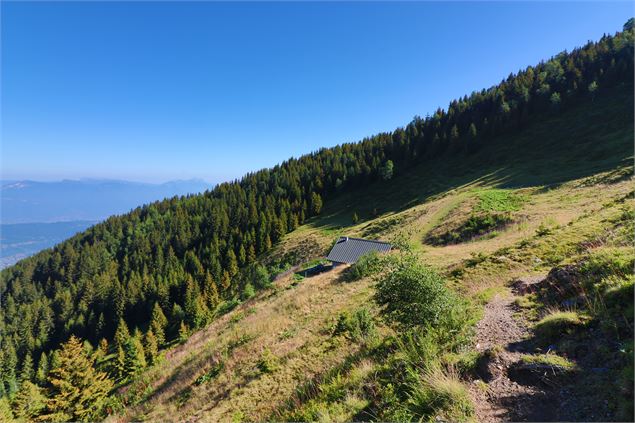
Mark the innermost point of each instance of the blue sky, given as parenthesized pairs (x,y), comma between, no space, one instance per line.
(157,91)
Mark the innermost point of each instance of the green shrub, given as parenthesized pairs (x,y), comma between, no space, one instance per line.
(476,225)
(210,374)
(551,327)
(414,295)
(358,326)
(367,265)
(248,291)
(268,362)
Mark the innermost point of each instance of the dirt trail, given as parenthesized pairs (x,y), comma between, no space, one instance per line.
(501,399)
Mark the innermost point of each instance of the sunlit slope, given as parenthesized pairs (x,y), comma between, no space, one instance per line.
(562,181)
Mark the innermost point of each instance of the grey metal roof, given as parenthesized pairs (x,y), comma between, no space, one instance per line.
(349,250)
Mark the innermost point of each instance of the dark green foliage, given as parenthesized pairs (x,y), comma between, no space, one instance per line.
(367,265)
(478,224)
(161,253)
(358,325)
(387,170)
(413,295)
(210,374)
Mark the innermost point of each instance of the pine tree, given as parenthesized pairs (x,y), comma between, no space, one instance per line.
(119,365)
(78,392)
(134,360)
(158,323)
(122,334)
(103,348)
(29,402)
(151,346)
(184,332)
(42,372)
(231,264)
(316,203)
(9,363)
(5,410)
(226,281)
(211,291)
(27,373)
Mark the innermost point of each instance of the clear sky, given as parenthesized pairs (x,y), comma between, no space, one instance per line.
(157,91)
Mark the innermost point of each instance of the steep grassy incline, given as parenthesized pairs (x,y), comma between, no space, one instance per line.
(559,193)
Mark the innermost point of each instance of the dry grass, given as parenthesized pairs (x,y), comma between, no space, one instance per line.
(305,312)
(292,322)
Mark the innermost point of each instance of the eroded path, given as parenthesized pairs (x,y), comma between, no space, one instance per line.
(501,336)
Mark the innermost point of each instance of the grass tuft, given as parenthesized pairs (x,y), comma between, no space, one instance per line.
(555,324)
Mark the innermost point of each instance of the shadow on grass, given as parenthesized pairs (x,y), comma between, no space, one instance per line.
(589,139)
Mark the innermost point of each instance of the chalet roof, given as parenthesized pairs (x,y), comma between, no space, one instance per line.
(349,250)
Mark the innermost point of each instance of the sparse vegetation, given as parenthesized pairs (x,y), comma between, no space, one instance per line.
(554,325)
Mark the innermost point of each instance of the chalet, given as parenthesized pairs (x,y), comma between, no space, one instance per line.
(348,250)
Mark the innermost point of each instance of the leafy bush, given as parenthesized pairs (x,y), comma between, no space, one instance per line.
(210,374)
(248,291)
(359,325)
(414,295)
(268,362)
(367,264)
(478,224)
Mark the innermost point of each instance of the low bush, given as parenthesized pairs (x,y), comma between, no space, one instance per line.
(477,225)
(268,362)
(367,265)
(358,326)
(414,295)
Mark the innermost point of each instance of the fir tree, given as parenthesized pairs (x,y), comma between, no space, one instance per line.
(184,332)
(122,334)
(42,372)
(27,372)
(151,346)
(158,323)
(29,402)
(78,392)
(134,357)
(6,415)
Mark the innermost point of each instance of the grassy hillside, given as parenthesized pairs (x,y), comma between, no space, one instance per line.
(558,195)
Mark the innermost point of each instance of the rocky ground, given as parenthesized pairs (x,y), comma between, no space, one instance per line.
(502,394)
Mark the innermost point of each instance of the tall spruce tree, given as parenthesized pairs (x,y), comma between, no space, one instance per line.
(78,392)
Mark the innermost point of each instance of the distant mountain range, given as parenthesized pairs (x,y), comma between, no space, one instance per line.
(85,199)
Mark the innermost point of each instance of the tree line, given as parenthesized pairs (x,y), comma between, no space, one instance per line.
(134,283)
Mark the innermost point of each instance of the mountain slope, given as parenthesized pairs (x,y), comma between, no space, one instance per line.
(192,259)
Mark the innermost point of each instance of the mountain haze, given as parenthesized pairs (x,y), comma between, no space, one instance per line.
(86,199)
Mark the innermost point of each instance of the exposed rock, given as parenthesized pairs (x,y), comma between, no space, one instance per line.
(564,281)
